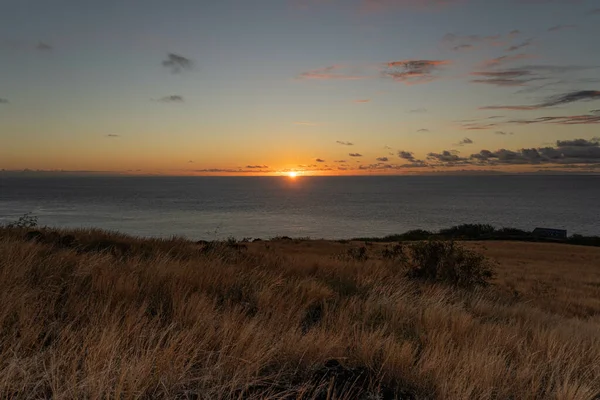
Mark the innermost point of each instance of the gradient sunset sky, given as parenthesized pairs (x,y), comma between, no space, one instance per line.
(318,86)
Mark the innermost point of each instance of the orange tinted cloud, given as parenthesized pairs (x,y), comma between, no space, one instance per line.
(493,62)
(331,72)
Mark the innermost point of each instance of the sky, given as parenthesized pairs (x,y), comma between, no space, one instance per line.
(320,87)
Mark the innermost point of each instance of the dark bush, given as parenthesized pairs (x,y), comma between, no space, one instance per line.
(448,262)
(584,240)
(396,252)
(24,221)
(358,253)
(468,231)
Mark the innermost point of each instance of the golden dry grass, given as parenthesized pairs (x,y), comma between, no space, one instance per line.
(163,319)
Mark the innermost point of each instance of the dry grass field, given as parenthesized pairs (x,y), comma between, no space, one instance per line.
(102,315)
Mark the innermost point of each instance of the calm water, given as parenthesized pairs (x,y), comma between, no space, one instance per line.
(319,207)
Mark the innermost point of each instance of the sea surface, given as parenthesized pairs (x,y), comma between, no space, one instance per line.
(316,207)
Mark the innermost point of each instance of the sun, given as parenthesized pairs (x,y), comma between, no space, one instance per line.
(292,174)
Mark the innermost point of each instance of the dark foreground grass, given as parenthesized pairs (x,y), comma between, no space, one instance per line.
(92,314)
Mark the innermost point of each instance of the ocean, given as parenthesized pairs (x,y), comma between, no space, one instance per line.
(316,207)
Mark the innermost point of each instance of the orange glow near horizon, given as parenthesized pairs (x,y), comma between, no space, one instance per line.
(292,174)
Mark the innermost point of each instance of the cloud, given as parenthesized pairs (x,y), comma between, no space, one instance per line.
(355,155)
(521,45)
(319,160)
(224,170)
(41,46)
(581,95)
(177,63)
(414,71)
(382,159)
(459,42)
(594,142)
(512,77)
(333,72)
(462,47)
(406,155)
(573,151)
(4,101)
(571,97)
(560,28)
(595,11)
(503,133)
(257,166)
(362,101)
(563,120)
(595,112)
(339,161)
(112,135)
(418,110)
(494,62)
(191,162)
(448,157)
(345,143)
(464,142)
(423,130)
(171,99)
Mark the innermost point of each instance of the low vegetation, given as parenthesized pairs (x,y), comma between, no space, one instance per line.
(482,232)
(94,314)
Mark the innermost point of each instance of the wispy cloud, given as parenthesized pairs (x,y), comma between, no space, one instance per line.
(503,133)
(423,130)
(171,99)
(333,72)
(418,110)
(465,141)
(362,101)
(512,77)
(459,42)
(382,159)
(521,45)
(41,46)
(585,119)
(571,97)
(345,143)
(112,135)
(595,11)
(177,63)
(462,47)
(257,166)
(319,160)
(339,161)
(414,71)
(494,62)
(355,155)
(4,101)
(557,28)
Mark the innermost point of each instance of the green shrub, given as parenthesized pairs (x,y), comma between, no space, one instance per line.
(449,263)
